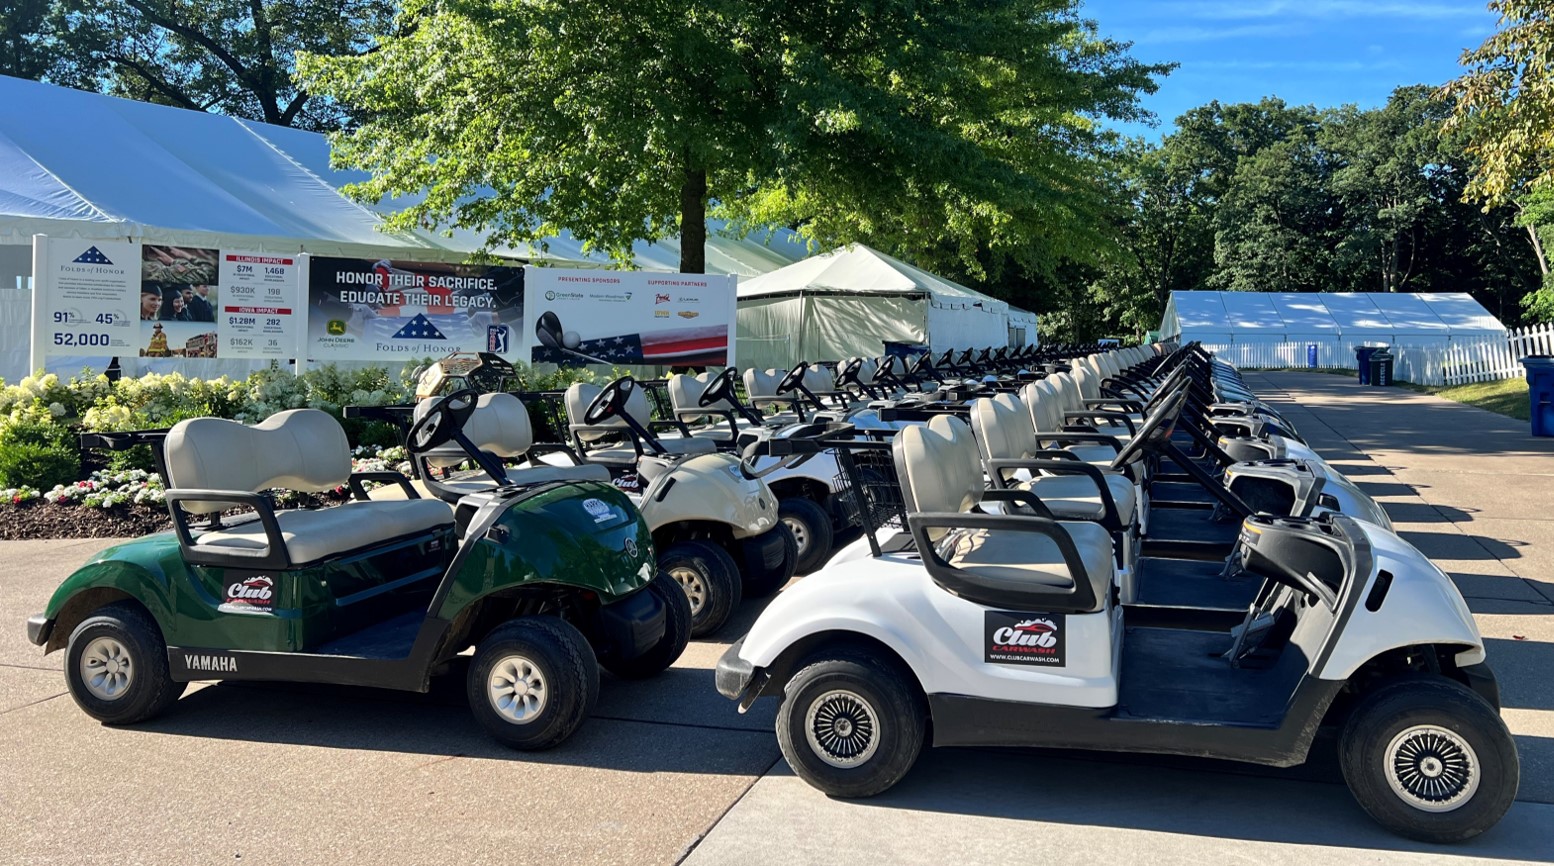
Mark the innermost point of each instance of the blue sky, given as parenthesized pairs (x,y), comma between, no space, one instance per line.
(1323,52)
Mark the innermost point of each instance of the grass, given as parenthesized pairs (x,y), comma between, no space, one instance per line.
(1506,397)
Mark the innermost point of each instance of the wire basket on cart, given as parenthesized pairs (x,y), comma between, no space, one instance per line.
(868,489)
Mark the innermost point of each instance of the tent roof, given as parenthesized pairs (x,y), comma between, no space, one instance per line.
(85,164)
(861,270)
(1398,314)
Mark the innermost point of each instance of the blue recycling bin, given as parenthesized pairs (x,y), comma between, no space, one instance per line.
(1363,355)
(1540,393)
(1311,356)
(901,349)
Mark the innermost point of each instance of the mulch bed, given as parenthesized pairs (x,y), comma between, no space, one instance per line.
(38,518)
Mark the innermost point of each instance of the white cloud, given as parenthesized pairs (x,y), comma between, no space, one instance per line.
(1208,34)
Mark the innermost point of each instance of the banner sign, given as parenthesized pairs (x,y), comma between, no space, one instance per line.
(628,318)
(84,297)
(105,298)
(392,310)
(259,316)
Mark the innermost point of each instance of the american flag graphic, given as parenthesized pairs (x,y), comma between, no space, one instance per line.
(92,256)
(686,346)
(419,328)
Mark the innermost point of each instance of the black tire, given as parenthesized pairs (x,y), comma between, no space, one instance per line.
(811,527)
(677,633)
(710,579)
(1458,714)
(121,632)
(761,579)
(833,685)
(542,649)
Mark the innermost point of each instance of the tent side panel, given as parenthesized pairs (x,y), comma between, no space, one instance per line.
(844,327)
(765,331)
(966,328)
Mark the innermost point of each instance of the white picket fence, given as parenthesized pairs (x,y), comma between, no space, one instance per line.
(1456,363)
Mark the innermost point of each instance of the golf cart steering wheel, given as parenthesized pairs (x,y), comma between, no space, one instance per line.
(611,402)
(1157,428)
(443,421)
(793,378)
(719,389)
(847,374)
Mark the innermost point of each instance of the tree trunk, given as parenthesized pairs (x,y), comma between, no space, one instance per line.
(693,220)
(1537,247)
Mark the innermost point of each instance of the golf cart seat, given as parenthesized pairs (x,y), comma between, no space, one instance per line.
(580,394)
(500,426)
(1045,410)
(1004,432)
(300,449)
(1023,562)
(685,393)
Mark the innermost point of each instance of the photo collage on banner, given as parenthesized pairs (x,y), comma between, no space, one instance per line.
(179,293)
(362,309)
(630,318)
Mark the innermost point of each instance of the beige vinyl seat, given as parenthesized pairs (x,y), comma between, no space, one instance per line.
(684,397)
(580,394)
(300,449)
(500,426)
(1004,432)
(941,474)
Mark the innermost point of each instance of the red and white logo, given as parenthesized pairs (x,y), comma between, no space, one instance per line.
(250,595)
(660,299)
(1024,638)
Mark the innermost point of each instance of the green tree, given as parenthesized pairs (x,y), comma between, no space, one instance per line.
(235,57)
(1505,103)
(957,133)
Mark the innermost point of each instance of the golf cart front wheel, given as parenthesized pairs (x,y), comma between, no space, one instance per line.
(1430,759)
(116,666)
(811,528)
(532,682)
(677,633)
(770,560)
(851,725)
(708,577)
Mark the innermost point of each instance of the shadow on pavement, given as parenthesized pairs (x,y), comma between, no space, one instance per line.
(1303,805)
(1458,546)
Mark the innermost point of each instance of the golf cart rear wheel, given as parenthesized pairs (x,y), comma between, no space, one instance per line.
(677,633)
(851,725)
(1429,759)
(811,527)
(709,579)
(116,666)
(532,682)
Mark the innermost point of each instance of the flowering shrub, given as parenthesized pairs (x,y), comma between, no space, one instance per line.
(108,489)
(18,495)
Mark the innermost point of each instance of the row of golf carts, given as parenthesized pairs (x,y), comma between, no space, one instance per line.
(1121,551)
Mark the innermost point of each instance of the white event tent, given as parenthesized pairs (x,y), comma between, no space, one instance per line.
(849,301)
(89,166)
(1276,328)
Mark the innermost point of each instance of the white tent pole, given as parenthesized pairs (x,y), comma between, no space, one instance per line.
(803,327)
(40,279)
(300,313)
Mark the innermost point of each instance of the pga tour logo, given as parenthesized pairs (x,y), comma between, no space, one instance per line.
(1012,638)
(250,595)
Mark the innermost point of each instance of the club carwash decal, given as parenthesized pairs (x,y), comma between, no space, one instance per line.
(1014,638)
(253,594)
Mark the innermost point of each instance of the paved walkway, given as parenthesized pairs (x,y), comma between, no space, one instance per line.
(667,772)
(1473,490)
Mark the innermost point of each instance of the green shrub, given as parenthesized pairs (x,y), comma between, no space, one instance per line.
(37,465)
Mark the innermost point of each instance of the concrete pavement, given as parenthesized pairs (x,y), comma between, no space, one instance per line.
(667,772)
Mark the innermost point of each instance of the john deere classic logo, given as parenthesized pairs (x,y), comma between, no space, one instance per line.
(336,327)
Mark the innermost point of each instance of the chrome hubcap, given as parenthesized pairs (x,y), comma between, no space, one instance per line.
(695,588)
(517,690)
(800,533)
(1431,768)
(842,728)
(106,669)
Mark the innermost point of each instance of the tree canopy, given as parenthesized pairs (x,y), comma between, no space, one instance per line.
(961,134)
